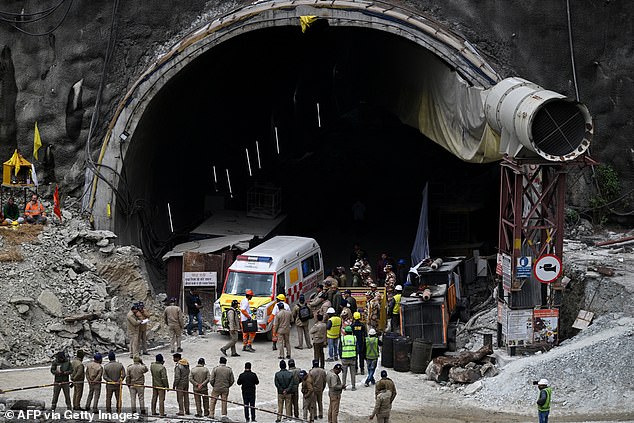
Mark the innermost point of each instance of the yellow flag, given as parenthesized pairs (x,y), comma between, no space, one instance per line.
(306,21)
(15,162)
(37,141)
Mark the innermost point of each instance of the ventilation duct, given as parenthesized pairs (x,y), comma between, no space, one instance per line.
(532,120)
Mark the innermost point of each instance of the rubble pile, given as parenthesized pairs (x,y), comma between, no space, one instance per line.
(71,291)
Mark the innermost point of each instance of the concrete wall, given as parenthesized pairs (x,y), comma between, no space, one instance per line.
(523,38)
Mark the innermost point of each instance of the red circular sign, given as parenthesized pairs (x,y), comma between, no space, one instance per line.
(547,268)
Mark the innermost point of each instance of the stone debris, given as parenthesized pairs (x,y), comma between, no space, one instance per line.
(72,291)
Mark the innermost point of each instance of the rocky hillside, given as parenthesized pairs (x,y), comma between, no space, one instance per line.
(66,287)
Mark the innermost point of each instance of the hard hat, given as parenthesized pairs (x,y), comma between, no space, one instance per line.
(330,310)
(249,292)
(281,297)
(398,287)
(372,332)
(543,382)
(348,329)
(356,315)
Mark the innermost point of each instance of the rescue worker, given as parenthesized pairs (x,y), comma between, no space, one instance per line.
(335,387)
(318,334)
(135,378)
(372,344)
(12,213)
(248,380)
(233,320)
(199,377)
(335,299)
(385,384)
(308,394)
(381,265)
(113,375)
(340,275)
(315,300)
(319,383)
(62,370)
(295,388)
(395,309)
(181,383)
(144,315)
(382,407)
(245,314)
(94,374)
(282,327)
(301,317)
(159,384)
(373,311)
(134,322)
(356,254)
(543,401)
(365,272)
(194,307)
(281,299)
(325,305)
(34,212)
(175,320)
(333,332)
(221,380)
(283,383)
(350,300)
(390,278)
(359,332)
(348,349)
(77,377)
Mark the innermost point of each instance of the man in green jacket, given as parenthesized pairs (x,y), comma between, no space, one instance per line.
(284,385)
(159,384)
(543,402)
(62,370)
(11,212)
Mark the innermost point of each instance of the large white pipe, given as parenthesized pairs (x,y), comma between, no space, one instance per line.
(531,118)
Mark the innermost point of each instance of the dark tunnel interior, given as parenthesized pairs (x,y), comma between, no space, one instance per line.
(355,149)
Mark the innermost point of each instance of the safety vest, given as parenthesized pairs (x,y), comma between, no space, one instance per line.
(33,209)
(371,347)
(335,329)
(349,346)
(546,406)
(397,304)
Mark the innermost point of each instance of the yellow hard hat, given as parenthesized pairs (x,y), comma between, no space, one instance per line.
(356,315)
(281,297)
(15,223)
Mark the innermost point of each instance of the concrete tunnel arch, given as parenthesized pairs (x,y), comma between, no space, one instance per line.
(466,75)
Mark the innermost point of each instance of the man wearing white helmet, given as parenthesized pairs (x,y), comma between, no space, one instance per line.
(372,344)
(333,331)
(543,402)
(394,309)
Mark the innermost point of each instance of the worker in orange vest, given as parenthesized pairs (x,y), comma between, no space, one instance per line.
(34,211)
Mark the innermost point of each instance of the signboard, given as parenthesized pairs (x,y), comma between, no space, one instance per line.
(547,268)
(523,267)
(498,265)
(507,271)
(200,278)
(546,326)
(517,326)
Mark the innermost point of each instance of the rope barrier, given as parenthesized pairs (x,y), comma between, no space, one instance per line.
(121,384)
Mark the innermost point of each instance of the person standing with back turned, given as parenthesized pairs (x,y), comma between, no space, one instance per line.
(248,380)
(543,402)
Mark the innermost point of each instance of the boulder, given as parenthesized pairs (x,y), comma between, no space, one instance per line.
(50,303)
(103,242)
(22,308)
(97,236)
(108,332)
(473,388)
(17,299)
(463,375)
(59,327)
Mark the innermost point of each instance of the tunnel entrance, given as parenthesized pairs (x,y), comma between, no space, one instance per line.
(326,98)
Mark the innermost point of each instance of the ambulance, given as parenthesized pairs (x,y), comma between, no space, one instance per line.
(288,265)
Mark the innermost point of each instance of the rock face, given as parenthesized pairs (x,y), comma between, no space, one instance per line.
(50,303)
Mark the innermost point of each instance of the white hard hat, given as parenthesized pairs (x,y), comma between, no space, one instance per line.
(330,310)
(372,331)
(543,382)
(398,287)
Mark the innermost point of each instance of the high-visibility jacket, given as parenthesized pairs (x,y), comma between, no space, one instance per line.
(33,209)
(371,347)
(546,406)
(335,329)
(397,304)
(349,346)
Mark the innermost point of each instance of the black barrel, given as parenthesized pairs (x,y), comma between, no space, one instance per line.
(421,355)
(402,351)
(387,352)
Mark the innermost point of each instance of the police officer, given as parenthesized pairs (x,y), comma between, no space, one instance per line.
(233,321)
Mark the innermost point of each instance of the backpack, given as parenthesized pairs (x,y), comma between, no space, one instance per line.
(225,319)
(304,313)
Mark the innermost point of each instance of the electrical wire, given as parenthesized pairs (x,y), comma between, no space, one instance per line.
(32,14)
(19,17)
(50,31)
(572,51)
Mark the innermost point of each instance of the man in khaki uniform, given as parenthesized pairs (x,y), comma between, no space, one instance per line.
(144,315)
(319,385)
(94,373)
(301,317)
(175,320)
(181,383)
(159,384)
(382,407)
(335,387)
(308,392)
(386,384)
(318,333)
(282,326)
(221,380)
(134,323)
(77,377)
(233,319)
(199,376)
(136,383)
(113,374)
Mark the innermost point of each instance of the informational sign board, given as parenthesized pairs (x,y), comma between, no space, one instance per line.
(200,278)
(546,326)
(507,271)
(517,326)
(547,268)
(498,265)
(523,267)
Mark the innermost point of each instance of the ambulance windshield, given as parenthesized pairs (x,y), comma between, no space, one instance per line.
(260,283)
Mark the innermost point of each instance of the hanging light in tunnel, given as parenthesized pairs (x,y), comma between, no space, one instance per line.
(277,141)
(318,117)
(257,149)
(229,183)
(215,179)
(169,213)
(246,150)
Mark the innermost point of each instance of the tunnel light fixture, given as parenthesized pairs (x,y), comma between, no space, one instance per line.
(246,150)
(257,149)
(169,212)
(277,141)
(229,183)
(318,116)
(124,136)
(215,179)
